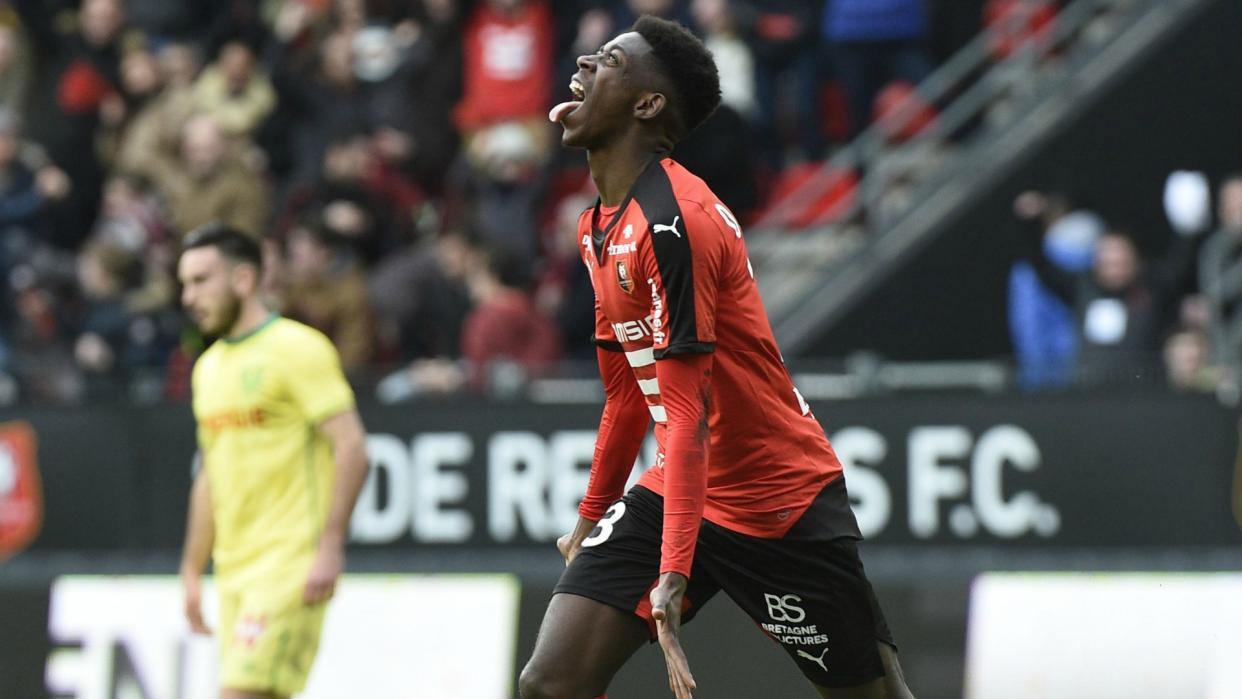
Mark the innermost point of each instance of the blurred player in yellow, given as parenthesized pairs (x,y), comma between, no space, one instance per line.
(283,460)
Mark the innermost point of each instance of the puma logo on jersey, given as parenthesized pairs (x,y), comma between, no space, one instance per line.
(818,661)
(660,227)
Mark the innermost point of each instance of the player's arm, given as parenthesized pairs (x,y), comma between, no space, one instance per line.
(1031,247)
(688,270)
(622,427)
(199,535)
(348,439)
(318,387)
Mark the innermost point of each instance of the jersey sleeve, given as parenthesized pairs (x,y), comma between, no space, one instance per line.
(683,262)
(315,380)
(622,427)
(685,386)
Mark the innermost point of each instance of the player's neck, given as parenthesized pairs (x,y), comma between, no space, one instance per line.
(615,168)
(253,315)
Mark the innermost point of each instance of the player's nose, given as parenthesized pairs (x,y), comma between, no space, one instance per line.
(586,61)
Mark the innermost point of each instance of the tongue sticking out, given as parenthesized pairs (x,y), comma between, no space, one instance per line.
(559,111)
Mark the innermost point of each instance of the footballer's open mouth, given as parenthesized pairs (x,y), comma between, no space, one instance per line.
(560,111)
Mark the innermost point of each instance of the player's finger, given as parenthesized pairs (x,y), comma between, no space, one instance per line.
(195,616)
(677,660)
(681,687)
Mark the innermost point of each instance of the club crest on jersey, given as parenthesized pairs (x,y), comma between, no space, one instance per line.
(624,280)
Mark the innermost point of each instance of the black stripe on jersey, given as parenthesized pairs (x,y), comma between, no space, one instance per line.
(654,193)
(610,345)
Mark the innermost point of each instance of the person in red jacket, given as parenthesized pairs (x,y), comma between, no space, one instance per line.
(505,325)
(746,495)
(508,63)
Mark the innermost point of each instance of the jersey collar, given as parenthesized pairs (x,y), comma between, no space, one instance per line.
(599,235)
(253,331)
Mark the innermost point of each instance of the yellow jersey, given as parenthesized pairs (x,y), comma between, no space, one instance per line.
(258,400)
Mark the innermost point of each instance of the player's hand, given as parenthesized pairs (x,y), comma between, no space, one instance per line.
(666,601)
(570,544)
(321,583)
(194,604)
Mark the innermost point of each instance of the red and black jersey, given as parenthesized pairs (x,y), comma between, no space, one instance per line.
(676,298)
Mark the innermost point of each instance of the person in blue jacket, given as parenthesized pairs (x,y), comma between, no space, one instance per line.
(872,43)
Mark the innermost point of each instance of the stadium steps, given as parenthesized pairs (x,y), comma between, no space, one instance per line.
(995,115)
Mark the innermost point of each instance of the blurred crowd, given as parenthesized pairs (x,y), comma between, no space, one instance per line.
(1088,307)
(393,155)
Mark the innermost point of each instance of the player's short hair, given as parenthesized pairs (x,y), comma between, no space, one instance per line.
(687,64)
(234,245)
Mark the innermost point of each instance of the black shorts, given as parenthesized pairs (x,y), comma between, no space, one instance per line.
(809,595)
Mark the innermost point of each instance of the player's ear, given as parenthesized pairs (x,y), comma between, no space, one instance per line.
(244,279)
(650,105)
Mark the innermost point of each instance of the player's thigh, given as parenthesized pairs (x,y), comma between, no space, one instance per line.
(581,645)
(600,612)
(891,686)
(271,647)
(810,597)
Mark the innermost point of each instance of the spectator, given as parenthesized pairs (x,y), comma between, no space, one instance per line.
(28,182)
(349,200)
(505,338)
(418,135)
(1041,325)
(716,21)
(155,125)
(209,182)
(1220,275)
(325,289)
(508,64)
(114,342)
(1187,362)
(564,290)
(133,220)
(14,63)
(30,187)
(874,42)
(421,300)
(141,82)
(234,91)
(1119,305)
(314,105)
(503,186)
(39,337)
(786,52)
(77,69)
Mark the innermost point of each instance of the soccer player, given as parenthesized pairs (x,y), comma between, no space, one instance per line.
(283,459)
(746,495)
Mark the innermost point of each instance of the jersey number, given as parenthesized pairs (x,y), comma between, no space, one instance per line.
(603,529)
(731,221)
(806,409)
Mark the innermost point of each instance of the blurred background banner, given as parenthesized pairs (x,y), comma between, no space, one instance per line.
(124,637)
(940,469)
(1165,636)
